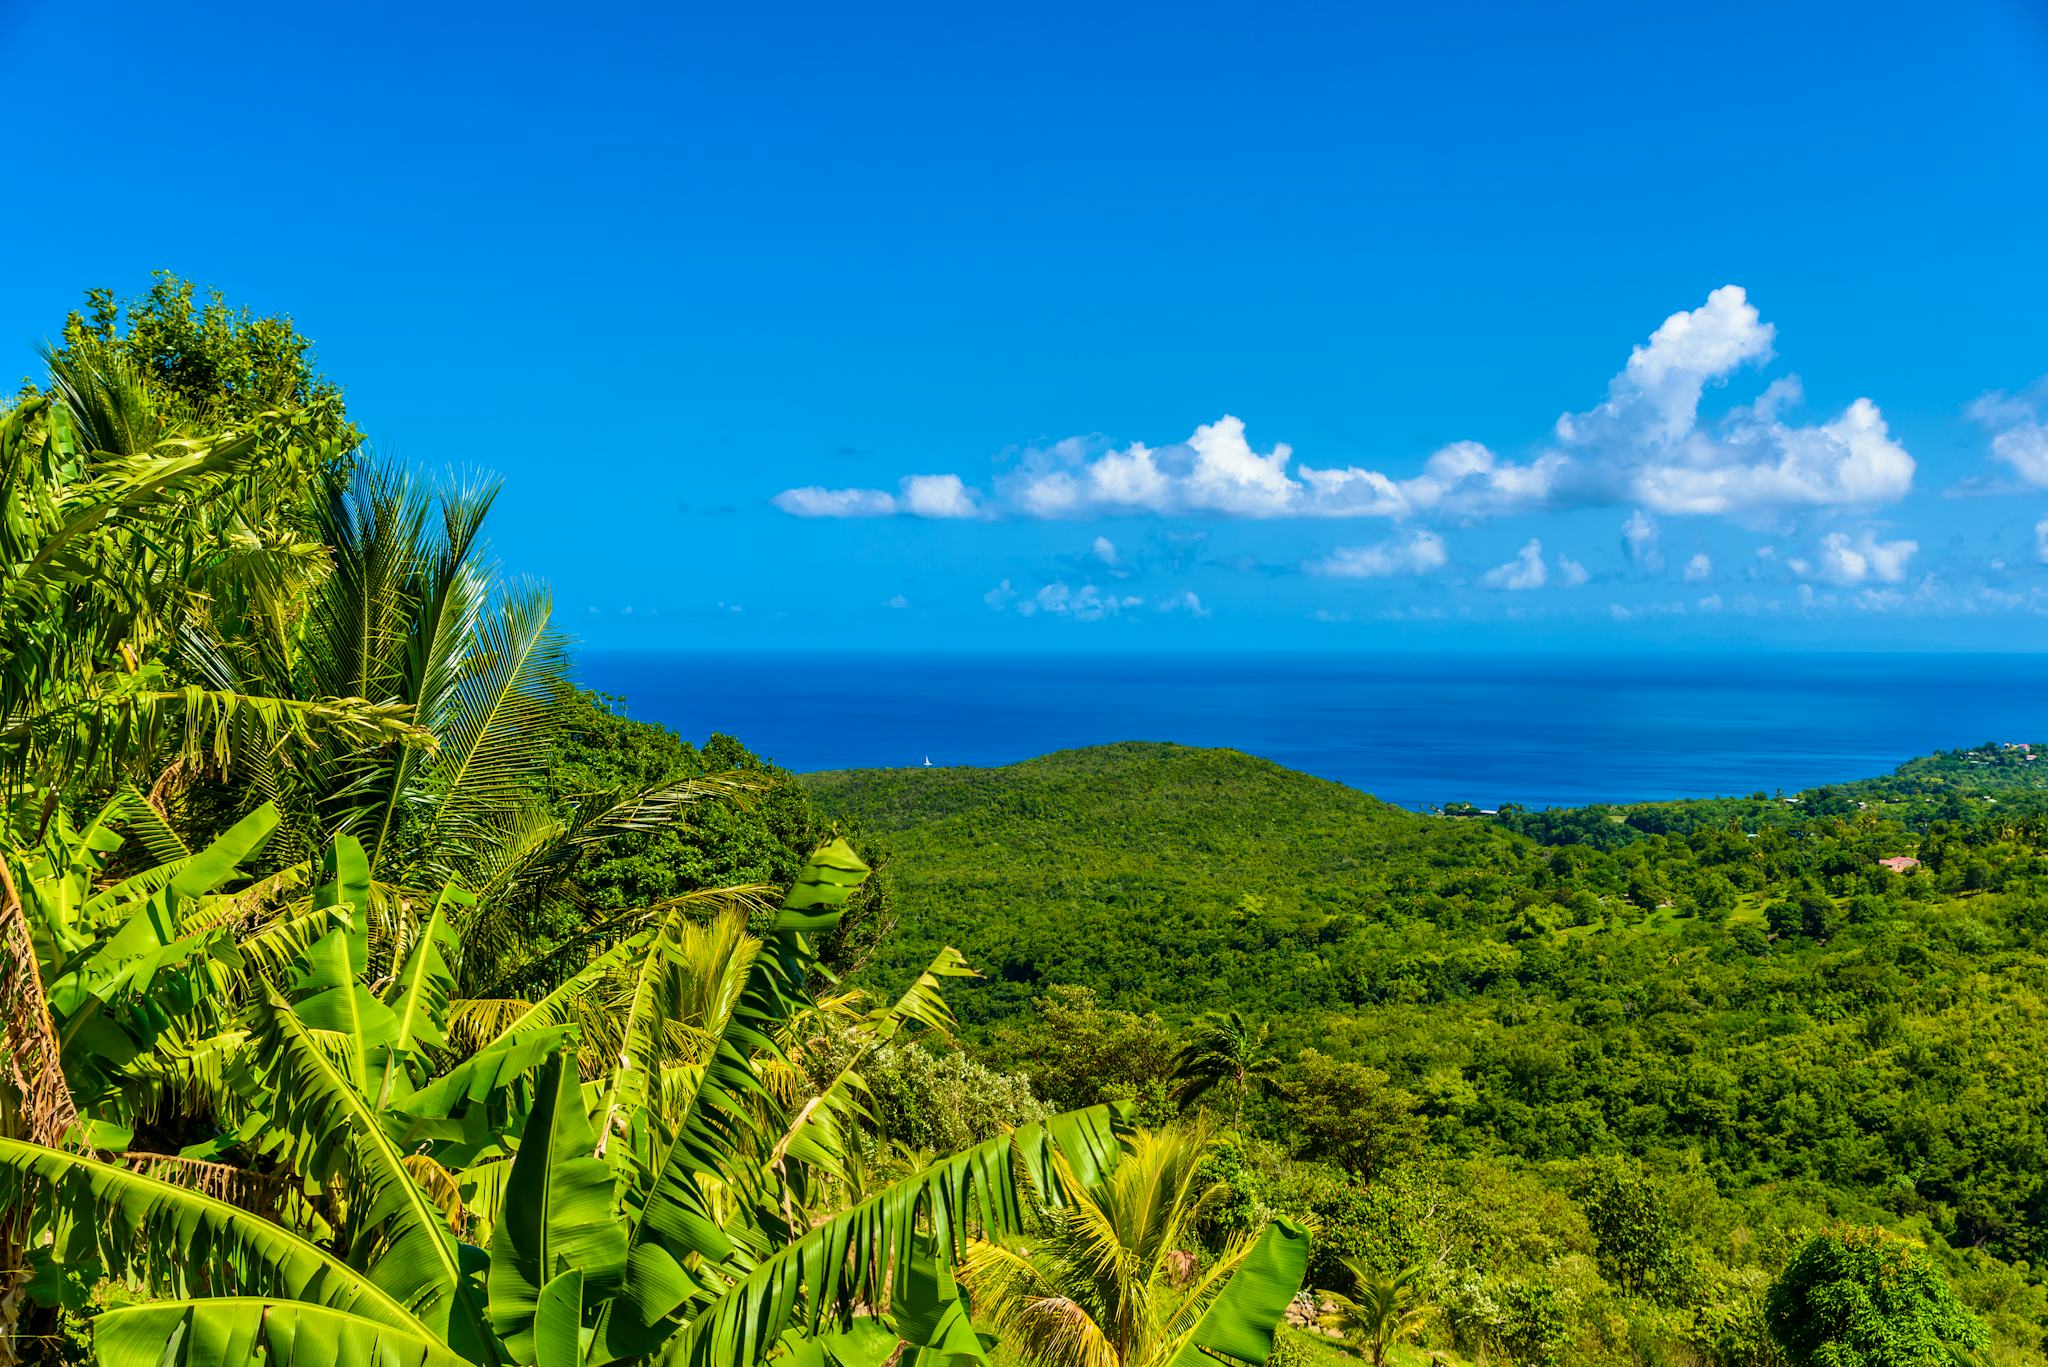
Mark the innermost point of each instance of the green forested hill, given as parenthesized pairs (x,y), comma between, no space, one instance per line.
(1736,984)
(1167,878)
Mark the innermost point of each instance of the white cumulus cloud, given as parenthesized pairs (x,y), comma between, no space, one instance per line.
(1647,441)
(1646,444)
(938,496)
(1418,552)
(1525,571)
(1847,562)
(1656,397)
(1570,573)
(2019,431)
(1699,569)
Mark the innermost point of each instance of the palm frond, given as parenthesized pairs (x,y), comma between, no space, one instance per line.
(854,1257)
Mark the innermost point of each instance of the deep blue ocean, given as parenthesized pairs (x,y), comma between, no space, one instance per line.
(1414,729)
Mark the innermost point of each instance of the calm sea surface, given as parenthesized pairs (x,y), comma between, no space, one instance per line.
(1545,730)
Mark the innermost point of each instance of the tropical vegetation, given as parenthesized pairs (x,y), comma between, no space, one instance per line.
(341,1024)
(1599,1072)
(374,994)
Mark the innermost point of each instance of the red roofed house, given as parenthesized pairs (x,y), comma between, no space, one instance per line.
(1900,863)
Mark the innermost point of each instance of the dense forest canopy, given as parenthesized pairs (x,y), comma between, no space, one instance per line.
(1736,992)
(373,993)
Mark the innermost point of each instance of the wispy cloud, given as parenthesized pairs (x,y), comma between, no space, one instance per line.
(1525,571)
(1418,552)
(1088,603)
(1639,537)
(932,496)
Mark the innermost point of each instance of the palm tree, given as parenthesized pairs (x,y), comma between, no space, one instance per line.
(224,620)
(1111,1279)
(408,611)
(1222,1050)
(1383,1311)
(115,521)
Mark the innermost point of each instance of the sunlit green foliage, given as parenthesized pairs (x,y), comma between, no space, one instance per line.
(1507,1010)
(372,994)
(1863,1299)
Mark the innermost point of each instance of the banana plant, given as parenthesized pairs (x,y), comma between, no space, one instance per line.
(120,978)
(680,1242)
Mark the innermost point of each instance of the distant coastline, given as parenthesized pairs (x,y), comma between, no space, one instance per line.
(1418,730)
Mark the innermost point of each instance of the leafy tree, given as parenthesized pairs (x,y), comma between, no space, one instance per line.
(1222,1050)
(941,1099)
(118,529)
(1349,1114)
(1638,1239)
(1535,1321)
(1863,1298)
(1079,1049)
(207,363)
(1808,911)
(1528,1320)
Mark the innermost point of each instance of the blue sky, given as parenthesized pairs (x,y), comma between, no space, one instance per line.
(1588,325)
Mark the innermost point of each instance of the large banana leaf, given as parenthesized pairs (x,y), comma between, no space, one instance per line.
(558,1217)
(345,883)
(330,999)
(932,1319)
(400,1235)
(467,1112)
(720,1131)
(174,1237)
(234,847)
(192,874)
(1237,1326)
(238,1331)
